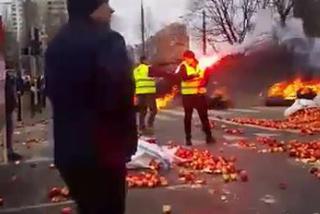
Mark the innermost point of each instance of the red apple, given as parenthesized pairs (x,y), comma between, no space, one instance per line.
(317,154)
(55,191)
(65,192)
(318,175)
(166,209)
(283,186)
(233,176)
(66,210)
(1,201)
(226,178)
(244,176)
(313,170)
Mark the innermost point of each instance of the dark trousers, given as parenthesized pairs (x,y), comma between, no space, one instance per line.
(9,131)
(199,103)
(145,102)
(97,190)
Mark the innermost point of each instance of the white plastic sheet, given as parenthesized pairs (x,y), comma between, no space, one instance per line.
(301,104)
(146,152)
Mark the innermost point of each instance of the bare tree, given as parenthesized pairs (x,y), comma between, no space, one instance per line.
(228,20)
(263,4)
(284,9)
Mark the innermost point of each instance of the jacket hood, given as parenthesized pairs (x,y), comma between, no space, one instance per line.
(82,9)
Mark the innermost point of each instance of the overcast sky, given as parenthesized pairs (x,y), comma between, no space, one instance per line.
(158,14)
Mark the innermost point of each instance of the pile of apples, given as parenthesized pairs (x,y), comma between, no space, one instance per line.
(310,151)
(146,180)
(233,131)
(205,162)
(305,120)
(246,145)
(295,148)
(189,177)
(273,145)
(57,194)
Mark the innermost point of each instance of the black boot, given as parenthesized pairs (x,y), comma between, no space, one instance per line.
(188,142)
(210,140)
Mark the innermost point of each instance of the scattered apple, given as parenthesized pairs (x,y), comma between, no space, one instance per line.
(166,209)
(66,210)
(314,170)
(244,176)
(54,192)
(283,186)
(65,192)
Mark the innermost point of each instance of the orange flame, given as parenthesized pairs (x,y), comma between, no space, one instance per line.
(208,61)
(164,101)
(288,89)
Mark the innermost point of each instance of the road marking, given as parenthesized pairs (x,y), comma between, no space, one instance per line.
(266,134)
(165,118)
(177,112)
(244,110)
(38,160)
(218,113)
(32,207)
(198,142)
(180,112)
(233,138)
(34,160)
(266,108)
(185,186)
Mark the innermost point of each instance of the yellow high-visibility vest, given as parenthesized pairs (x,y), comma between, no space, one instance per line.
(144,83)
(195,85)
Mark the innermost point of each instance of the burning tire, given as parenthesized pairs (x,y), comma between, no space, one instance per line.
(278,101)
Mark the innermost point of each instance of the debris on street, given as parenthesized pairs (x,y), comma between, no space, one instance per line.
(307,121)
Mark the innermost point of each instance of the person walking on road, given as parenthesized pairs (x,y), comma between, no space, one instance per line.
(10,105)
(193,90)
(90,85)
(146,94)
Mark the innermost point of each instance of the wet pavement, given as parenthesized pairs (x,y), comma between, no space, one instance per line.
(24,187)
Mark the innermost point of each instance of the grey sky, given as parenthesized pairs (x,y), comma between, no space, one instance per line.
(158,14)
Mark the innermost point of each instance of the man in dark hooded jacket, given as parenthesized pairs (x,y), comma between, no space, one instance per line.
(90,85)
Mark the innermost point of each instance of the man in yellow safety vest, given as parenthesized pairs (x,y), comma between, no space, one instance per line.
(146,94)
(193,90)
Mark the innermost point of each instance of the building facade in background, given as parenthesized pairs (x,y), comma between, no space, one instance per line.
(167,45)
(55,15)
(21,15)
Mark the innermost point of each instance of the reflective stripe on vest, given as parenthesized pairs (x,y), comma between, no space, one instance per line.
(144,84)
(195,85)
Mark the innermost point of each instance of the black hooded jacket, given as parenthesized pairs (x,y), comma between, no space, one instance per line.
(90,85)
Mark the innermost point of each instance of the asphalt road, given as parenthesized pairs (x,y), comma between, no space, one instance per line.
(25,187)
